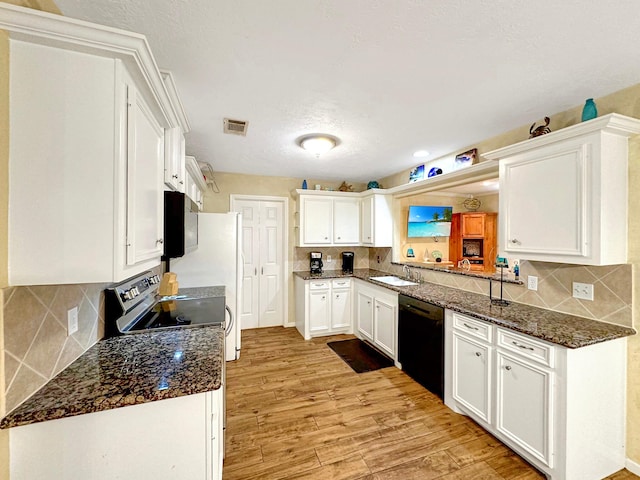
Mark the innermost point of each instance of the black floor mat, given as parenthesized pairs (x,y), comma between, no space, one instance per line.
(360,356)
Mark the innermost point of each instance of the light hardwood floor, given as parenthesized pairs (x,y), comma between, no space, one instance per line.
(296,410)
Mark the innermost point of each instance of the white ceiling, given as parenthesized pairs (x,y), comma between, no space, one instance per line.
(387,77)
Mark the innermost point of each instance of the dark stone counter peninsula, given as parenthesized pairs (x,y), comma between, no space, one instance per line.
(560,328)
(129,370)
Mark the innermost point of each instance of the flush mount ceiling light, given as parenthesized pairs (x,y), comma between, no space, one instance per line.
(318,143)
(421,154)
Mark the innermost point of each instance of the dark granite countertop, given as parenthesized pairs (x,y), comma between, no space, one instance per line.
(560,328)
(129,370)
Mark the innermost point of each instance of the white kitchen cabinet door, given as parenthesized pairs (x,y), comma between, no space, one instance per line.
(563,196)
(366,220)
(340,309)
(376,221)
(384,325)
(549,220)
(364,313)
(471,375)
(101,165)
(319,311)
(346,221)
(317,221)
(145,171)
(524,405)
(174,169)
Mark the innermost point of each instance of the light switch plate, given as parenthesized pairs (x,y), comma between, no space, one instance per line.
(583,291)
(532,282)
(72,321)
(328,258)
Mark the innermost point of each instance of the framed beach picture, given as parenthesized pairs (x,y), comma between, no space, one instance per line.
(466,159)
(416,174)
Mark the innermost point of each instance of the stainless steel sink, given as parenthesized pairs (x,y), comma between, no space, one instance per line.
(394,281)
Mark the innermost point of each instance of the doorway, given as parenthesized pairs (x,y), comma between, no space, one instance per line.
(264,246)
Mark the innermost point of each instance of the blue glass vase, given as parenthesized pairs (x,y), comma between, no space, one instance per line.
(589,111)
(304,184)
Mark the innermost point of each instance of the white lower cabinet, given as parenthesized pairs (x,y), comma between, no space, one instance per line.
(177,438)
(472,375)
(561,409)
(323,307)
(364,313)
(524,404)
(376,316)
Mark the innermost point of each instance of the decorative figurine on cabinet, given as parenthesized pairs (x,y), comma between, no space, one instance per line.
(541,130)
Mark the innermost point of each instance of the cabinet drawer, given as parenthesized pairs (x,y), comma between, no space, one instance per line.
(319,284)
(470,326)
(526,347)
(341,283)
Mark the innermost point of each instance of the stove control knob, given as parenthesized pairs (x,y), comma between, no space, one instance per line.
(126,295)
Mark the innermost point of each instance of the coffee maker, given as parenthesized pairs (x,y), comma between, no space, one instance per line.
(315,262)
(347,262)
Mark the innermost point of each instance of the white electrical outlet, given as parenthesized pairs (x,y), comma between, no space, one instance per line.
(583,291)
(328,258)
(532,282)
(72,321)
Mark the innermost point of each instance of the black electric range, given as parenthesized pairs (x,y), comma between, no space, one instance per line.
(134,306)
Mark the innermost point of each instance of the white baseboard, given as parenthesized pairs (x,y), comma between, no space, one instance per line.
(289,325)
(632,466)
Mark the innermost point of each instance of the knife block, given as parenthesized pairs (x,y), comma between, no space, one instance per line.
(168,284)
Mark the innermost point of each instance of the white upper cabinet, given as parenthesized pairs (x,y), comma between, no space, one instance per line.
(346,221)
(195,183)
(563,196)
(174,159)
(376,221)
(87,149)
(316,218)
(344,218)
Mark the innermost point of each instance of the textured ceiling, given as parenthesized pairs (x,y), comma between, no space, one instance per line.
(387,77)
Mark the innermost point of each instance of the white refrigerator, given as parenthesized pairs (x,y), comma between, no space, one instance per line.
(217,261)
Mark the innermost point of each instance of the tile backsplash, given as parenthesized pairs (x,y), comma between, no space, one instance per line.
(301,257)
(35,333)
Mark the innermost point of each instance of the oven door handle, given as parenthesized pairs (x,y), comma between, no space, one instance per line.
(230,326)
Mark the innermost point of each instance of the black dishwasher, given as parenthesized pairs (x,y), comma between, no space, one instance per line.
(421,342)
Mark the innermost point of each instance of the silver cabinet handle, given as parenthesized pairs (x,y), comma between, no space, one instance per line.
(174,176)
(478,354)
(469,326)
(514,240)
(522,346)
(507,367)
(255,271)
(160,241)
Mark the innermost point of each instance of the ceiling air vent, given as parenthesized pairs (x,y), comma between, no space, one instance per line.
(236,127)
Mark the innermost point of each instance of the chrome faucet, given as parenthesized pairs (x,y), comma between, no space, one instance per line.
(406,271)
